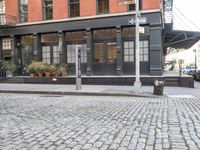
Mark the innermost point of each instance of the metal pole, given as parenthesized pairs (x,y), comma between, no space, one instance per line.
(78,67)
(195,63)
(137,83)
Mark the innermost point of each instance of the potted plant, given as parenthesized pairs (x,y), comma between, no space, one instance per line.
(46,69)
(40,67)
(32,69)
(9,67)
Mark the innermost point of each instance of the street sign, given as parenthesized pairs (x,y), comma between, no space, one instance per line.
(141,30)
(131,21)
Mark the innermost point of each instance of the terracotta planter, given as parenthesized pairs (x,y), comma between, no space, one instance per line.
(55,74)
(40,74)
(32,75)
(47,74)
(64,73)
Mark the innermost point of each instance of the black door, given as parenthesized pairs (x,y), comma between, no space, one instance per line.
(105,55)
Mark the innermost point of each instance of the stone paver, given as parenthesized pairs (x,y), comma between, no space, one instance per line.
(88,122)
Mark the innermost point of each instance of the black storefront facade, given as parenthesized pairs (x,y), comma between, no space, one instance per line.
(107,43)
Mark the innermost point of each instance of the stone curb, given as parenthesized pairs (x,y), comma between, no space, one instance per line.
(82,93)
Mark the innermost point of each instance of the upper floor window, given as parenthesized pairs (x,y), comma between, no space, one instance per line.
(131,7)
(23,11)
(2,6)
(48,9)
(74,8)
(103,6)
(2,12)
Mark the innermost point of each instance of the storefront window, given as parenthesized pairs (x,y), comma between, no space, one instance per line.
(112,52)
(27,49)
(74,8)
(46,57)
(129,32)
(56,57)
(26,40)
(6,43)
(103,6)
(71,53)
(99,52)
(49,38)
(104,34)
(129,51)
(144,51)
(76,36)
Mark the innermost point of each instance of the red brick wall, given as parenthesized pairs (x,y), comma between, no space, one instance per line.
(35,10)
(150,4)
(87,7)
(60,9)
(11,9)
(116,8)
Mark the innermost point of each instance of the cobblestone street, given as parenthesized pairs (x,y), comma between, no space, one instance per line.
(87,122)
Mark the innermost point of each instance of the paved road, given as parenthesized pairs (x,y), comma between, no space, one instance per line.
(86,122)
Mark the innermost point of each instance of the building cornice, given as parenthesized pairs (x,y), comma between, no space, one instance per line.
(87,17)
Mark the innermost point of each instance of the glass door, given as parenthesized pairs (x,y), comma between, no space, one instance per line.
(105,56)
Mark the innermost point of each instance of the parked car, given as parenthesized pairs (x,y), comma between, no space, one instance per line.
(188,70)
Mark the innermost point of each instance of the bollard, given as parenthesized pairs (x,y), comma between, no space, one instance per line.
(158,87)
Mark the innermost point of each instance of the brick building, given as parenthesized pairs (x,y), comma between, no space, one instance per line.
(49,30)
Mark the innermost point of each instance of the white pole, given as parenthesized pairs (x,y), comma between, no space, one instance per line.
(137,83)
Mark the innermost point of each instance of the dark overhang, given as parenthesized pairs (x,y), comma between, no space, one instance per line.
(180,39)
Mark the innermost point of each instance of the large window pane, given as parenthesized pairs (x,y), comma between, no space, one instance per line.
(46,54)
(129,51)
(99,52)
(71,53)
(112,52)
(49,38)
(104,34)
(144,51)
(74,8)
(56,57)
(75,36)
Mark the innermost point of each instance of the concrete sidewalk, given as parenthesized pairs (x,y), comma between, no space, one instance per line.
(99,90)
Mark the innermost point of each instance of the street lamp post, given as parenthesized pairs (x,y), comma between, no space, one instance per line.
(137,83)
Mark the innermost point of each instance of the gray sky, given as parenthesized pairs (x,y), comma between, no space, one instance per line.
(191,10)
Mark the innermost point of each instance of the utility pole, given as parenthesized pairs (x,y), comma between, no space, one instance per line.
(137,83)
(195,56)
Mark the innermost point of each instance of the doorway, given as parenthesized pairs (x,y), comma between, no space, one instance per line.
(105,58)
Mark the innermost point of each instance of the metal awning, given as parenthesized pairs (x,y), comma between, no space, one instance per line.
(179,39)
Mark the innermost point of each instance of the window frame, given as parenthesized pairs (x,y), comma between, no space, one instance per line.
(45,9)
(140,6)
(69,8)
(97,7)
(7,45)
(22,12)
